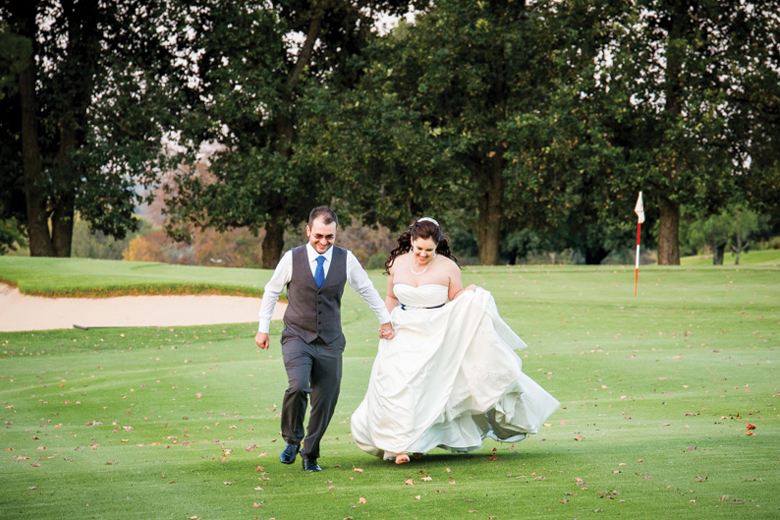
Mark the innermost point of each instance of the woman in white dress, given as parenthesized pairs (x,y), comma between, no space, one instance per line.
(450,376)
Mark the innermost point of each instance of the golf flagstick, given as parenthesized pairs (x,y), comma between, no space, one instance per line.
(639,209)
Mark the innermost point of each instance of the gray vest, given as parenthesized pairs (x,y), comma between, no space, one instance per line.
(311,312)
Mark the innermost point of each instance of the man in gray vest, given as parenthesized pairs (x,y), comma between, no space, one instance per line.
(312,341)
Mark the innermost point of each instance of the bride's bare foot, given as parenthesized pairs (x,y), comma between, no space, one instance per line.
(417,456)
(401,458)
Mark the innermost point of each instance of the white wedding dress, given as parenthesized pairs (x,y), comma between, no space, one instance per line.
(449,378)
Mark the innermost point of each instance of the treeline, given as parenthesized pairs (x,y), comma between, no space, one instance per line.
(522,126)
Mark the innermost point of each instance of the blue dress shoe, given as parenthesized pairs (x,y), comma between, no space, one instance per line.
(310,465)
(289,453)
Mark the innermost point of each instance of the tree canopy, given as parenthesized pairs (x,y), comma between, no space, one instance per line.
(510,120)
(87,95)
(257,64)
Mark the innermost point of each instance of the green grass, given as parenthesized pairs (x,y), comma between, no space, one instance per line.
(103,278)
(769,257)
(659,389)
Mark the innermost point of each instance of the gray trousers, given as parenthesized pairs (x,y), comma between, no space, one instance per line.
(313,373)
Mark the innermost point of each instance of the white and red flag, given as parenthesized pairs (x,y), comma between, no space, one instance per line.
(639,209)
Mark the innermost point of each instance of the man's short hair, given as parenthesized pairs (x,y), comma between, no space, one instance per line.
(327,215)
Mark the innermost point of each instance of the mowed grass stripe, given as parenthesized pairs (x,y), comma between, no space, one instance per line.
(686,366)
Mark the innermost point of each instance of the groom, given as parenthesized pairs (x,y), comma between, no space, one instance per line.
(312,341)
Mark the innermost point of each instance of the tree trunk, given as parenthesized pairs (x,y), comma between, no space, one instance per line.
(63,210)
(273,243)
(718,251)
(669,221)
(741,246)
(490,206)
(83,43)
(62,225)
(37,214)
(668,234)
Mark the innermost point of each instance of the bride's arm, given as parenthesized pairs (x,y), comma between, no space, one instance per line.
(391,302)
(456,285)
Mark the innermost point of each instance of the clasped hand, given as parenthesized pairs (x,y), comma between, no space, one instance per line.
(386,331)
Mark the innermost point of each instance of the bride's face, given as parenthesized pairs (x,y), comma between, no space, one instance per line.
(423,250)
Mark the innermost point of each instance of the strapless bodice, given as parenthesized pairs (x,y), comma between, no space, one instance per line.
(429,295)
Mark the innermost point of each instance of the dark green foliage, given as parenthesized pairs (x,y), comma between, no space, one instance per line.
(253,75)
(87,97)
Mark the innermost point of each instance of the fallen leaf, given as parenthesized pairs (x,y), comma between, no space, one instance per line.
(579,438)
(690,448)
(258,488)
(362,500)
(409,482)
(750,426)
(417,497)
(257,504)
(358,470)
(427,478)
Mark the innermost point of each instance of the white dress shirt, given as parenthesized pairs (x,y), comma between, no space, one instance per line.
(356,277)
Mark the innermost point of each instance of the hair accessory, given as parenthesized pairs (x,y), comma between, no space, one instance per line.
(426,219)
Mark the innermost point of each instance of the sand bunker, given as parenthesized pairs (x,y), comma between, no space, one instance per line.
(20,312)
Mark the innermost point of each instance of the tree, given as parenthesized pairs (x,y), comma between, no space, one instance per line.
(449,108)
(257,63)
(713,231)
(731,228)
(745,224)
(88,91)
(685,92)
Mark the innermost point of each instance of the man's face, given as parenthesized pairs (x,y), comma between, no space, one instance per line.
(321,235)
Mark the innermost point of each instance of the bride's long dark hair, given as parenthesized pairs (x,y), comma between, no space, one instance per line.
(420,229)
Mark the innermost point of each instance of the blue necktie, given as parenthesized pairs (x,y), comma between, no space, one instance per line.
(319,273)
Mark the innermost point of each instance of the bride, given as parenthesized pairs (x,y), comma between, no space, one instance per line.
(450,376)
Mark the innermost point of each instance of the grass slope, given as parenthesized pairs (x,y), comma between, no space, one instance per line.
(770,257)
(659,389)
(102,278)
